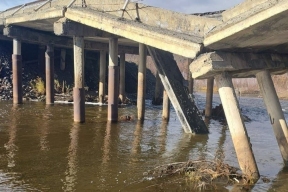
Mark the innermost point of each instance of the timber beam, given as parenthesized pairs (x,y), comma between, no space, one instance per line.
(239,65)
(36,37)
(172,80)
(67,27)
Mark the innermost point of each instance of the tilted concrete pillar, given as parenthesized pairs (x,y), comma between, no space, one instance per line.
(274,110)
(158,90)
(122,94)
(166,107)
(49,69)
(190,79)
(17,72)
(78,90)
(209,97)
(113,80)
(141,81)
(102,76)
(237,127)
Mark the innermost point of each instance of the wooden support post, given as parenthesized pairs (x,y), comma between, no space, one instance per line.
(237,127)
(102,76)
(209,97)
(190,79)
(141,81)
(113,81)
(166,107)
(122,94)
(17,72)
(78,90)
(63,59)
(172,80)
(274,110)
(49,62)
(157,100)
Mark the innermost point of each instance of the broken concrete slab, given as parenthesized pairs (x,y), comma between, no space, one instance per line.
(182,102)
(248,7)
(238,64)
(263,31)
(181,44)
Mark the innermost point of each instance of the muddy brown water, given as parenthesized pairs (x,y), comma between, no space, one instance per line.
(41,149)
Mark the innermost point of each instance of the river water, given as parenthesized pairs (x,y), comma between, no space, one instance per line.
(41,149)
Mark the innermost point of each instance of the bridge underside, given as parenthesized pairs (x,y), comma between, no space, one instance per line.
(251,40)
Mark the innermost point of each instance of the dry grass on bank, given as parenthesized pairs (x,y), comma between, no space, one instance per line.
(249,86)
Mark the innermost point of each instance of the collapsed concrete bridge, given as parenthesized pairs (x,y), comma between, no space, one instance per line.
(246,41)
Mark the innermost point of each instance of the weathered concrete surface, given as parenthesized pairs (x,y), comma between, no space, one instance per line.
(238,64)
(172,79)
(260,30)
(36,37)
(153,16)
(70,28)
(248,7)
(275,112)
(181,44)
(237,127)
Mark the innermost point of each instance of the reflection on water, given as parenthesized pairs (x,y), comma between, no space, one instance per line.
(42,149)
(71,171)
(10,146)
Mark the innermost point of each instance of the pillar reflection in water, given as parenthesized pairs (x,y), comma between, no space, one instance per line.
(163,137)
(10,146)
(136,147)
(44,129)
(111,137)
(72,168)
(107,142)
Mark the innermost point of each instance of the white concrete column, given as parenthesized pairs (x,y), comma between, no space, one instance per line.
(102,75)
(166,107)
(78,90)
(122,94)
(141,81)
(17,72)
(274,110)
(237,127)
(209,97)
(113,81)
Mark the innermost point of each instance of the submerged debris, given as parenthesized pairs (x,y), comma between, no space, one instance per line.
(203,173)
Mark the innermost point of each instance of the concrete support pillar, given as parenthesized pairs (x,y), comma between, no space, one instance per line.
(102,75)
(166,107)
(78,90)
(17,72)
(237,127)
(49,63)
(157,100)
(113,81)
(190,79)
(141,81)
(122,94)
(274,110)
(209,97)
